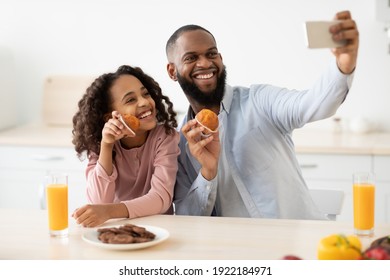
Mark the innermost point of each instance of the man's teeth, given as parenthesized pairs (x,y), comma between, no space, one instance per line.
(146,114)
(205,76)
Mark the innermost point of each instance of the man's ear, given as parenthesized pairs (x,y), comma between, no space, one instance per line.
(171,69)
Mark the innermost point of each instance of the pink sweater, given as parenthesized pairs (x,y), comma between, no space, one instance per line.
(143,178)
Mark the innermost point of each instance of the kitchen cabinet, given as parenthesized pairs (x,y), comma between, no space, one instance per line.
(334,171)
(381,168)
(22,171)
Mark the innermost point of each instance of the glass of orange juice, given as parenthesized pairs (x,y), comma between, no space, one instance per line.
(364,203)
(57,204)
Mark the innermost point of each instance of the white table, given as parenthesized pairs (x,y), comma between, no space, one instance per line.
(24,235)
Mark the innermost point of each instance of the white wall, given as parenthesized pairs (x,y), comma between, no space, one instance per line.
(261,42)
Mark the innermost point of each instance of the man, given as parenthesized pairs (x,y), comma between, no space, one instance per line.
(249,168)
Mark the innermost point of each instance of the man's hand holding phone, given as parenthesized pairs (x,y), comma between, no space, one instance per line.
(340,35)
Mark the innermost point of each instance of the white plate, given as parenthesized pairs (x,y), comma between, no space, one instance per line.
(91,236)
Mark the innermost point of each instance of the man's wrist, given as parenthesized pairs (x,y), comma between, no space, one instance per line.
(209,174)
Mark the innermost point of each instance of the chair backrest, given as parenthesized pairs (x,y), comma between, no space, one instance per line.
(330,202)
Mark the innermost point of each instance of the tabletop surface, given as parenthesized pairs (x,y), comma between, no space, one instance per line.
(24,235)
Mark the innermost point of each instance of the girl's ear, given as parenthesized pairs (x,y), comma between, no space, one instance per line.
(171,69)
(107,116)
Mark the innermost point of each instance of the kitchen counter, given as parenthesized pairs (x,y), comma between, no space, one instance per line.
(37,134)
(306,141)
(190,238)
(310,141)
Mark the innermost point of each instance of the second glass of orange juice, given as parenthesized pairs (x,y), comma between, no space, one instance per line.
(364,203)
(57,204)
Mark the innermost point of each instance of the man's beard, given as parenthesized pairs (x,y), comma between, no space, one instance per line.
(207,99)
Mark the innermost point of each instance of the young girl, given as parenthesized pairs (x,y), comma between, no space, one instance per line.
(127,176)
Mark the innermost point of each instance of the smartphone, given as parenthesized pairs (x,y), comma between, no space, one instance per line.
(318,35)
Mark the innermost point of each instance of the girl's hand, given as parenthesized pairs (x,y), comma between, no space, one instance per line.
(113,129)
(92,215)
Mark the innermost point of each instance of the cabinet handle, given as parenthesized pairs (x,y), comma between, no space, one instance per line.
(47,158)
(308,165)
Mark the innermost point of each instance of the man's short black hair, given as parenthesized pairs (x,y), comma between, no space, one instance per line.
(190,27)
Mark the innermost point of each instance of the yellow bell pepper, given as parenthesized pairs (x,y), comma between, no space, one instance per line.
(339,247)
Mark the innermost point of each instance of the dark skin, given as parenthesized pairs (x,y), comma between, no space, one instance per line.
(346,56)
(129,96)
(195,57)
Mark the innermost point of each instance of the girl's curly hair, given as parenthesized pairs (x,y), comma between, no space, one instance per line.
(89,120)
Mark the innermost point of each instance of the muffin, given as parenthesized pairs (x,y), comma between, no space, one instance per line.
(209,120)
(131,122)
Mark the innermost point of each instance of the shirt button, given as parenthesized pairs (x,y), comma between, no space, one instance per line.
(208,187)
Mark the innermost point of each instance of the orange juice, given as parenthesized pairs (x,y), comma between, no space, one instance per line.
(57,205)
(363,206)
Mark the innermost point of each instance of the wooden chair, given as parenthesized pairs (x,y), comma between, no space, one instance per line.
(329,201)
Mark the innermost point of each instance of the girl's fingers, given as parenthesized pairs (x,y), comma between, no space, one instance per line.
(115,114)
(114,127)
